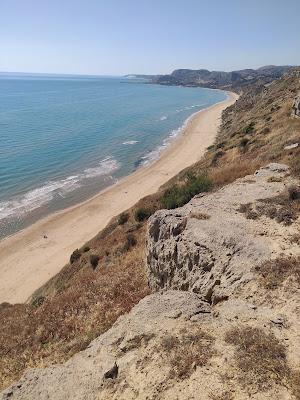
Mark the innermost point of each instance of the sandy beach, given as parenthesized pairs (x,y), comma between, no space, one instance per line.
(28,260)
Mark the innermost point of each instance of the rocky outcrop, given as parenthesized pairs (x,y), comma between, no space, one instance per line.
(116,365)
(208,246)
(153,353)
(296,107)
(221,333)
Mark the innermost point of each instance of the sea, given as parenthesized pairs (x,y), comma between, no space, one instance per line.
(65,138)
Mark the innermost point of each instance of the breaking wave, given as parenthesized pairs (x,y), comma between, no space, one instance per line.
(38,197)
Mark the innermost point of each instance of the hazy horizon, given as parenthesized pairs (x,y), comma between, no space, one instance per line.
(91,37)
(121,75)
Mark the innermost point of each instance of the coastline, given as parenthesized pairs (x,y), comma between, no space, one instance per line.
(27,260)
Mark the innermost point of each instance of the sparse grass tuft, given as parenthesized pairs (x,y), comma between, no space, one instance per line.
(260,356)
(130,242)
(274,179)
(248,211)
(221,396)
(123,218)
(187,351)
(274,272)
(142,214)
(200,216)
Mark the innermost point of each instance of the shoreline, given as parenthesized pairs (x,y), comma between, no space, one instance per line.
(27,260)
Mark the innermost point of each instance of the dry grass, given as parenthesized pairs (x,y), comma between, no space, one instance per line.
(248,211)
(274,179)
(284,208)
(296,238)
(236,169)
(83,306)
(260,357)
(200,216)
(222,396)
(274,273)
(184,353)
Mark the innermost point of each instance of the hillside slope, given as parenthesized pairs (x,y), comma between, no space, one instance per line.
(107,276)
(231,326)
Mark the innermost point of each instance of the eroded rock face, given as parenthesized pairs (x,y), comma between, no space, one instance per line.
(209,246)
(296,107)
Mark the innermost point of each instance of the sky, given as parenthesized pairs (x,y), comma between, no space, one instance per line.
(116,37)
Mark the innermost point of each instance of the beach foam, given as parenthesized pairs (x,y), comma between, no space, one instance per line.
(130,142)
(38,197)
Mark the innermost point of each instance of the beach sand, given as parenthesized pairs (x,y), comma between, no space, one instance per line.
(28,260)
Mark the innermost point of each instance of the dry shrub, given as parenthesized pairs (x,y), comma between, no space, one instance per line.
(274,272)
(260,356)
(296,238)
(190,349)
(221,396)
(230,172)
(295,383)
(295,164)
(294,193)
(274,179)
(66,322)
(248,211)
(200,216)
(284,208)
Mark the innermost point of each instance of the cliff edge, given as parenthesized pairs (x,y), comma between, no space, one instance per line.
(223,321)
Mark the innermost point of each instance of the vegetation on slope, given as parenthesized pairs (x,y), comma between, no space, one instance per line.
(87,297)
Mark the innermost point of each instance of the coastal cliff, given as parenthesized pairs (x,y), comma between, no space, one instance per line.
(223,317)
(193,290)
(234,80)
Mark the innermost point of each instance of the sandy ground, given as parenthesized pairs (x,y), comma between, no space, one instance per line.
(27,260)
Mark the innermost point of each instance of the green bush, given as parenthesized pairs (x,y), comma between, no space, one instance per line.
(249,128)
(75,256)
(177,196)
(123,218)
(141,214)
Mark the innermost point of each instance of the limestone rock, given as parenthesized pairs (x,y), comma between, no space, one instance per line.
(213,256)
(296,107)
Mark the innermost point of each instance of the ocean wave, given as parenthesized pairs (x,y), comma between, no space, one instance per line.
(188,108)
(38,197)
(130,142)
(153,155)
(164,117)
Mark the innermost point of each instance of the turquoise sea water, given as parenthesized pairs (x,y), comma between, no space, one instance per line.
(62,139)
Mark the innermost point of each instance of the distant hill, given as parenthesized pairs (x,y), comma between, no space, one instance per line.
(220,79)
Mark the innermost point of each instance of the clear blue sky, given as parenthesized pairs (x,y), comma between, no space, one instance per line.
(146,36)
